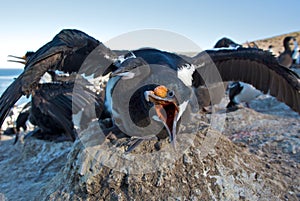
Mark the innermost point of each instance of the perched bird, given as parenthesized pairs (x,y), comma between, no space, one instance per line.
(226,43)
(290,48)
(149,89)
(270,49)
(21,122)
(241,92)
(127,68)
(252,45)
(139,86)
(66,53)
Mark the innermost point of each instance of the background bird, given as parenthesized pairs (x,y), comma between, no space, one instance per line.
(290,48)
(67,53)
(240,92)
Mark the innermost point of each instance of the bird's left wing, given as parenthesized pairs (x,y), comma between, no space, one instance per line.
(253,66)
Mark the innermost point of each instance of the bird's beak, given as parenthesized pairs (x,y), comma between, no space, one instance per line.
(167,110)
(22,59)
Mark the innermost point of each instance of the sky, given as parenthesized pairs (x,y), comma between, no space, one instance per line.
(28,25)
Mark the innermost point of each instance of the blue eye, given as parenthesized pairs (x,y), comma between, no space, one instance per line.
(170,93)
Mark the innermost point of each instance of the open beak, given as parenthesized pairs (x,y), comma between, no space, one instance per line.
(167,110)
(23,60)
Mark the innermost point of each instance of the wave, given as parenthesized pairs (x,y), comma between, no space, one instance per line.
(8,77)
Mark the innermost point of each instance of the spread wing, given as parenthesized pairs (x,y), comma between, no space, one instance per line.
(66,52)
(253,66)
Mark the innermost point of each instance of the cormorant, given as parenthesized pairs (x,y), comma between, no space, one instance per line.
(290,48)
(66,52)
(137,86)
(241,92)
(252,45)
(227,43)
(21,122)
(270,49)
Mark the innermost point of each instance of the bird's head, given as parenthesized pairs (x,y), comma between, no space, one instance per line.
(166,108)
(24,59)
(289,43)
(226,42)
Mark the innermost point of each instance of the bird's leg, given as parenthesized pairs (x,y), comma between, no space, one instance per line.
(17,135)
(134,144)
(113,133)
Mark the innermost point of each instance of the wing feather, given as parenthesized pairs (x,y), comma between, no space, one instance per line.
(256,67)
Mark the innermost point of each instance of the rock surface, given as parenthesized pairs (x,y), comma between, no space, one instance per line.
(29,165)
(255,158)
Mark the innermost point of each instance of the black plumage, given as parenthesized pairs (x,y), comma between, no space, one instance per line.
(226,42)
(67,53)
(53,105)
(253,66)
(235,89)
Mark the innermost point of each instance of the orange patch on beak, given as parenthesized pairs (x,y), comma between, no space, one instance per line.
(161,91)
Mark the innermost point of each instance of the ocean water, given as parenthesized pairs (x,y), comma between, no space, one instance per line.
(7,76)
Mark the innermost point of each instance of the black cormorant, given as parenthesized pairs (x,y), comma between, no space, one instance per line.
(66,52)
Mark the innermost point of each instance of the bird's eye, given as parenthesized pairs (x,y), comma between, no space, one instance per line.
(171,93)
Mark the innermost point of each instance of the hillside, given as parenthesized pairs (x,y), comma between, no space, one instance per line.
(276,41)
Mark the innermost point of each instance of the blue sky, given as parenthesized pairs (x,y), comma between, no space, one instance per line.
(27,25)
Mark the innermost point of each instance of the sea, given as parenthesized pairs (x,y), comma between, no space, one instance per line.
(7,76)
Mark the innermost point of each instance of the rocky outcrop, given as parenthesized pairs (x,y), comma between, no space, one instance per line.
(211,167)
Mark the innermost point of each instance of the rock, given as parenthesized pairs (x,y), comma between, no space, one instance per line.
(260,162)
(28,166)
(201,172)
